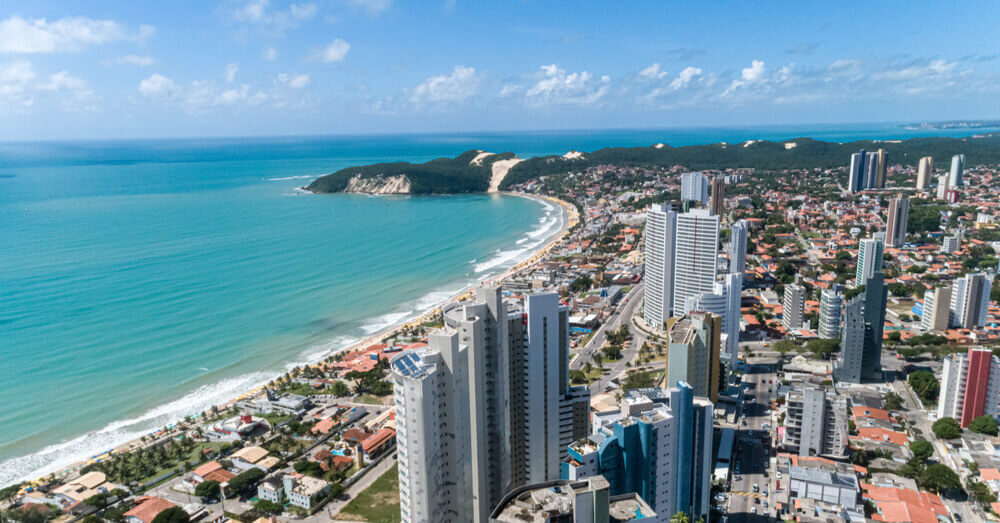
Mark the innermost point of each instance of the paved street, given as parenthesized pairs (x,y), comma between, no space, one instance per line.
(749,452)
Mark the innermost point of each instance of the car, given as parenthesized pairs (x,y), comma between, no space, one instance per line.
(756,501)
(753,510)
(765,492)
(765,503)
(779,474)
(756,487)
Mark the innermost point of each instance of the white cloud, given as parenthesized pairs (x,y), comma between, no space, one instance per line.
(141,61)
(653,71)
(685,77)
(38,35)
(260,12)
(63,81)
(15,84)
(270,54)
(509,90)
(231,70)
(157,85)
(463,83)
(335,51)
(557,87)
(750,76)
(20,87)
(297,81)
(375,7)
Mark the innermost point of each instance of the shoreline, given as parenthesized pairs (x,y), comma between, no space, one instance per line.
(570,218)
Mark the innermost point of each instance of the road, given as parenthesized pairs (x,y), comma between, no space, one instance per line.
(750,455)
(623,313)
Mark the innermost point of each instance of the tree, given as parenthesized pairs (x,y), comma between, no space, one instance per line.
(939,478)
(984,425)
(243,483)
(207,489)
(612,352)
(785,346)
(172,515)
(921,449)
(339,388)
(892,401)
(581,284)
(823,349)
(578,376)
(925,385)
(309,468)
(269,508)
(946,428)
(680,517)
(637,380)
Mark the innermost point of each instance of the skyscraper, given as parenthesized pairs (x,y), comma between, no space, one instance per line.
(856,178)
(970,300)
(695,253)
(861,340)
(658,293)
(718,197)
(936,309)
(663,452)
(970,386)
(955,175)
(870,252)
(466,430)
(693,346)
(816,423)
(895,225)
(871,170)
(942,187)
(924,172)
(831,308)
(724,301)
(738,247)
(694,187)
(793,306)
(880,169)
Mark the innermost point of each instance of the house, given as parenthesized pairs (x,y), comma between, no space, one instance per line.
(79,489)
(899,505)
(270,489)
(304,491)
(373,446)
(198,475)
(147,509)
(253,457)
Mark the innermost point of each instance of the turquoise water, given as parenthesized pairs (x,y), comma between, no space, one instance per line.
(143,281)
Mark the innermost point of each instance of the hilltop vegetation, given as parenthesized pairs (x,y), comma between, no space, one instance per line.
(458,175)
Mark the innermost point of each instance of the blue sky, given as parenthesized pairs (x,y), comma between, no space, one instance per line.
(119,69)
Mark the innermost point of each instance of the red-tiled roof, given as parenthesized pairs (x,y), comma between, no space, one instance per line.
(148,508)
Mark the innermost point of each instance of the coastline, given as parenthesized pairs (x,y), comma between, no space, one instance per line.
(569,218)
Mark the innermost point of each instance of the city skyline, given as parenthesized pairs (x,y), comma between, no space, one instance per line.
(377,66)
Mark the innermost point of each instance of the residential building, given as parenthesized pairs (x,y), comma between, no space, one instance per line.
(895,224)
(567,501)
(861,338)
(951,244)
(146,509)
(970,386)
(924,172)
(694,187)
(663,454)
(970,300)
(838,490)
(816,423)
(724,301)
(955,175)
(658,293)
(936,309)
(870,253)
(879,161)
(856,176)
(695,254)
(717,202)
(831,309)
(738,247)
(253,457)
(793,306)
(304,491)
(693,346)
(942,187)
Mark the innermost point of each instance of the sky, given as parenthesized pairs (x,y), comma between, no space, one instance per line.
(186,68)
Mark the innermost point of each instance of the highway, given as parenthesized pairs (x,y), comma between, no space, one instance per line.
(749,452)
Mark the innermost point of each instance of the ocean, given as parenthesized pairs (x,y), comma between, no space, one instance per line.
(141,281)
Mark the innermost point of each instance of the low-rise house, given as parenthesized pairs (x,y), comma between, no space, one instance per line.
(373,446)
(304,491)
(253,457)
(903,505)
(147,509)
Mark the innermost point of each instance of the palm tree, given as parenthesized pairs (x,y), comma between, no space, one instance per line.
(680,517)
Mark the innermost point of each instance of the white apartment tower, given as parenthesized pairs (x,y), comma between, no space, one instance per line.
(793,306)
(924,172)
(695,253)
(869,259)
(694,186)
(936,309)
(831,311)
(738,247)
(942,187)
(658,293)
(970,300)
(724,302)
(895,224)
(957,166)
(816,423)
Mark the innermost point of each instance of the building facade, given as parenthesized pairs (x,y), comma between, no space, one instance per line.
(970,386)
(870,253)
(970,300)
(724,301)
(895,225)
(695,254)
(658,290)
(793,306)
(957,168)
(861,337)
(831,310)
(936,309)
(816,423)
(693,346)
(738,247)
(694,187)
(718,199)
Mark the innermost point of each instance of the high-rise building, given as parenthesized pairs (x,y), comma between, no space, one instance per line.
(693,346)
(970,386)
(694,187)
(856,177)
(466,431)
(942,187)
(658,292)
(724,301)
(831,309)
(880,169)
(695,254)
(870,252)
(970,300)
(816,423)
(793,306)
(955,175)
(895,224)
(738,247)
(717,203)
(566,501)
(861,338)
(871,170)
(935,311)
(547,414)
(924,172)
(663,454)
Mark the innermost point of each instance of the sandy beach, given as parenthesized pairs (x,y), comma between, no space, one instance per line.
(571,218)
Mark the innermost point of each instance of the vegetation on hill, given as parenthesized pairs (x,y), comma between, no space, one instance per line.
(438,176)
